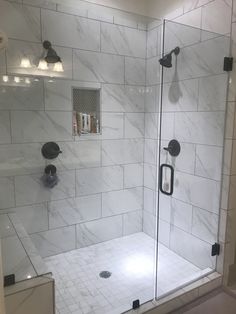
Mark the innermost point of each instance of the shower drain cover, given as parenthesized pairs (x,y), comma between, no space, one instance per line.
(105,274)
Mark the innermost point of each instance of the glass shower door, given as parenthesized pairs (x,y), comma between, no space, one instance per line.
(191,137)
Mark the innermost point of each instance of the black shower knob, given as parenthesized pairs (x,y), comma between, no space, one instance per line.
(51,150)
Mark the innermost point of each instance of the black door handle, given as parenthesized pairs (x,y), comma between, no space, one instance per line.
(171,179)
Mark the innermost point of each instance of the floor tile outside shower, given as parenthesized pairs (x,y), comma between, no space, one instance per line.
(80,289)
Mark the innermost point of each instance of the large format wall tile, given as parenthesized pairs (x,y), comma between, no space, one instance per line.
(133,175)
(120,98)
(123,40)
(154,42)
(72,31)
(119,202)
(7,198)
(6,227)
(20,22)
(181,215)
(28,97)
(5,126)
(30,189)
(98,231)
(134,125)
(74,210)
(112,125)
(198,191)
(191,248)
(132,222)
(97,180)
(18,159)
(76,155)
(98,67)
(135,71)
(149,224)
(55,241)
(200,127)
(40,126)
(152,71)
(119,152)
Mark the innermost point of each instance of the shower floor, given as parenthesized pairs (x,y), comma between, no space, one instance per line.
(80,289)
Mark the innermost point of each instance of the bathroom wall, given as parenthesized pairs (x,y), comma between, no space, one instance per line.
(100,192)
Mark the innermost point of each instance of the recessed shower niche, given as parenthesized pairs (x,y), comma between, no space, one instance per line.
(86,111)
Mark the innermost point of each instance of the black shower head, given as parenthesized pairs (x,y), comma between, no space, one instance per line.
(166,61)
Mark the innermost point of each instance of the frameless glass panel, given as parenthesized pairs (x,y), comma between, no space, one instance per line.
(192,112)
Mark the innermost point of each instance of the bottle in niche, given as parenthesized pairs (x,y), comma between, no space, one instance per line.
(97,127)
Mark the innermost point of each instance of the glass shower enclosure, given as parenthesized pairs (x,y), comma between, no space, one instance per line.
(129,231)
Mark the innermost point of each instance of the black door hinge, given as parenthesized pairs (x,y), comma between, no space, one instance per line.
(9,280)
(136,304)
(215,249)
(228,64)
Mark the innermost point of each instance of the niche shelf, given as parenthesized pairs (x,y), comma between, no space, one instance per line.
(86,111)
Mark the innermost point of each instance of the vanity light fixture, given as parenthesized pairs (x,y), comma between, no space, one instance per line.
(16,79)
(5,78)
(25,63)
(50,57)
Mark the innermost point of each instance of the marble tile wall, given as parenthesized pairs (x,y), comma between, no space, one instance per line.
(100,191)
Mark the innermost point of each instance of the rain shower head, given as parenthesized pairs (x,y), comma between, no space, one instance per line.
(166,61)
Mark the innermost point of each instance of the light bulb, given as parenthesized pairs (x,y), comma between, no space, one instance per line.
(25,63)
(42,65)
(5,78)
(27,80)
(58,67)
(17,79)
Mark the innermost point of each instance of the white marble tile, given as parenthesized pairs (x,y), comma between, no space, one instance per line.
(150,175)
(192,18)
(98,231)
(127,151)
(101,13)
(149,224)
(150,151)
(216,17)
(72,31)
(119,98)
(179,35)
(76,155)
(212,93)
(6,227)
(154,42)
(29,189)
(165,207)
(15,261)
(123,40)
(133,175)
(190,5)
(34,218)
(132,222)
(35,126)
(20,22)
(200,127)
(181,215)
(98,67)
(191,248)
(134,71)
(153,71)
(168,126)
(180,96)
(55,241)
(198,191)
(18,49)
(151,125)
(164,233)
(152,99)
(18,159)
(7,199)
(97,180)
(74,210)
(23,97)
(5,132)
(112,125)
(19,228)
(134,125)
(209,162)
(205,225)
(58,94)
(119,202)
(41,3)
(81,9)
(149,199)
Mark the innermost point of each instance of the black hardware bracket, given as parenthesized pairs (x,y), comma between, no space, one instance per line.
(215,250)
(136,304)
(228,64)
(9,280)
